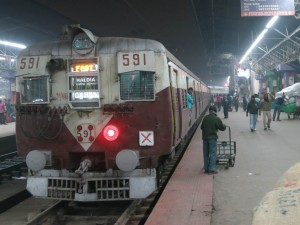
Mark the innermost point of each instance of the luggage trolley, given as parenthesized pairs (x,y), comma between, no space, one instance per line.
(226,152)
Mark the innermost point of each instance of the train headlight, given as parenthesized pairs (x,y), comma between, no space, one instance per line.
(127,160)
(82,41)
(36,160)
(111,133)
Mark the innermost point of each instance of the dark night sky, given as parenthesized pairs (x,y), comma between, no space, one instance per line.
(170,22)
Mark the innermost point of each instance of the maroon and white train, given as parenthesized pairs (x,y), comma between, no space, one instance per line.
(96,116)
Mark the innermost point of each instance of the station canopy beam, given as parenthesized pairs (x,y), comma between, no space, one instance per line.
(286,51)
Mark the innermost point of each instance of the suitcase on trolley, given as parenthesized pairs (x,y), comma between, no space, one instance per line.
(226,152)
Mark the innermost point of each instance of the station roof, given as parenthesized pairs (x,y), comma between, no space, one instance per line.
(208,36)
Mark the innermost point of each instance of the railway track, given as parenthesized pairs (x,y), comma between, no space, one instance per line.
(140,215)
(105,213)
(111,213)
(11,165)
(7,143)
(100,213)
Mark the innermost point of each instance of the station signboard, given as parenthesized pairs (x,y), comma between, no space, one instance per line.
(267,8)
(259,77)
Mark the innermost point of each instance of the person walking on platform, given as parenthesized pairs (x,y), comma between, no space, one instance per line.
(265,108)
(245,103)
(278,103)
(252,108)
(218,102)
(225,106)
(210,125)
(236,102)
(2,110)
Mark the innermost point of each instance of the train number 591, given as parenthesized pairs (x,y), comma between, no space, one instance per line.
(29,63)
(134,59)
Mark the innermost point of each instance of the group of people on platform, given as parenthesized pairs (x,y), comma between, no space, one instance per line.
(263,106)
(211,123)
(257,105)
(6,112)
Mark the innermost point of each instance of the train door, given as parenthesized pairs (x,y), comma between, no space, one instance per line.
(195,100)
(201,97)
(176,109)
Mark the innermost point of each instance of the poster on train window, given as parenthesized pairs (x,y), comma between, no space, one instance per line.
(267,8)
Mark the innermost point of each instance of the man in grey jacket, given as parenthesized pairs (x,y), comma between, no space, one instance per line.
(265,109)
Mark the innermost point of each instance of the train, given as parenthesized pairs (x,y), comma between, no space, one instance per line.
(97,116)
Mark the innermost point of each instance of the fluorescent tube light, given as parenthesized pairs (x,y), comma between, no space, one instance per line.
(12,44)
(260,36)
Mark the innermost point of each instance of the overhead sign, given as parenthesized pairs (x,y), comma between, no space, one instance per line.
(260,77)
(267,8)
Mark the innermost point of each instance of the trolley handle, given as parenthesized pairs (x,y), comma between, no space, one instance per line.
(229,133)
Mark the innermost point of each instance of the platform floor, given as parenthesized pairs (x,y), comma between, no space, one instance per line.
(229,197)
(187,198)
(8,129)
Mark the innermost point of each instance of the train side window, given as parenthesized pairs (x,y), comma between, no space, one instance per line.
(184,98)
(137,85)
(35,90)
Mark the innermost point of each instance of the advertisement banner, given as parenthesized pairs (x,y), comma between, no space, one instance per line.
(267,7)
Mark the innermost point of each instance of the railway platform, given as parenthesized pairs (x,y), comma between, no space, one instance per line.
(232,196)
(187,198)
(7,130)
(7,138)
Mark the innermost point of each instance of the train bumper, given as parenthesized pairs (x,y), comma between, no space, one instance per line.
(137,184)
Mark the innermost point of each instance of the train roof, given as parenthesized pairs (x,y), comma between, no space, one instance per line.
(104,45)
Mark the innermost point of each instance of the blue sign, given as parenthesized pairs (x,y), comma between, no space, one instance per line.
(259,77)
(267,8)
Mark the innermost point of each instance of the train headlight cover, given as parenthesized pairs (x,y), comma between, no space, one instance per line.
(36,160)
(111,133)
(127,160)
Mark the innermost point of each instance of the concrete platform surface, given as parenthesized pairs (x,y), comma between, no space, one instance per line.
(187,198)
(8,129)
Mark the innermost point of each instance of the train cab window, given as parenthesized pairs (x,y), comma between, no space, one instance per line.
(137,85)
(35,90)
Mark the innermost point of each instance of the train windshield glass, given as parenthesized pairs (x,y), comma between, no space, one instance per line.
(137,85)
(35,90)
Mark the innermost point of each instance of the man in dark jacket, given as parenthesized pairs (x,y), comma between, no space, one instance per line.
(278,103)
(210,125)
(252,108)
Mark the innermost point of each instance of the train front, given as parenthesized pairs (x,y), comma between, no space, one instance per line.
(79,145)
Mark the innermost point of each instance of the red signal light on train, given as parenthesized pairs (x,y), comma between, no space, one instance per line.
(111,133)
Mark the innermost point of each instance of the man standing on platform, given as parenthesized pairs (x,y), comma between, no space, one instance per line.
(210,125)
(265,108)
(278,103)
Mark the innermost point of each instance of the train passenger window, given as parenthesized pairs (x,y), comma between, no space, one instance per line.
(35,90)
(184,98)
(137,85)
